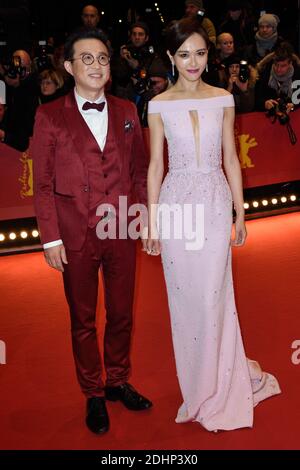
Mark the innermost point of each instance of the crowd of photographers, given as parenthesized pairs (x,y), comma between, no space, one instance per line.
(247,57)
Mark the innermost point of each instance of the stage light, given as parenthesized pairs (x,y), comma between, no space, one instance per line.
(2,237)
(12,236)
(255,204)
(293,198)
(102,12)
(283,199)
(157,9)
(35,233)
(120,21)
(246,205)
(264,202)
(274,200)
(155,4)
(24,234)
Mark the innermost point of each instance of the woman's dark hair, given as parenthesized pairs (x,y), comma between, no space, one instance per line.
(84,33)
(179,31)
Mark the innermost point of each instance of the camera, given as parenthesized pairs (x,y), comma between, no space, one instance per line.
(141,54)
(43,61)
(142,81)
(144,56)
(244,71)
(15,68)
(279,111)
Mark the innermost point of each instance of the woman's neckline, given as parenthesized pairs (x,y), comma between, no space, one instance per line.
(192,99)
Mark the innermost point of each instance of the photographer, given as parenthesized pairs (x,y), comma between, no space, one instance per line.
(240,80)
(276,78)
(43,59)
(131,67)
(158,81)
(239,22)
(194,8)
(266,39)
(22,101)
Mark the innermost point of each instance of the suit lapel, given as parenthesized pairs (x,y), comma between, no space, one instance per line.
(81,135)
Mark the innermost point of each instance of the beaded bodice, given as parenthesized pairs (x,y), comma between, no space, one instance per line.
(193,129)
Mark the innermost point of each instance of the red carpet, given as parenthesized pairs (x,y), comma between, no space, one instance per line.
(41,406)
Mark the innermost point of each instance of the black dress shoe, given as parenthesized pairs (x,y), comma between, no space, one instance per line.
(128,396)
(97,419)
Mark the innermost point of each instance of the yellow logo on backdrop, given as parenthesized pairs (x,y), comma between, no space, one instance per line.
(245,144)
(26,179)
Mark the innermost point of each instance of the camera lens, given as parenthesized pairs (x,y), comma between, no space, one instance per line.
(244,71)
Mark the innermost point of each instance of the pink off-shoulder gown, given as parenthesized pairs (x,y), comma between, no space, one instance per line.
(219,385)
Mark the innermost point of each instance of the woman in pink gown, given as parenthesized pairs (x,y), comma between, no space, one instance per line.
(219,385)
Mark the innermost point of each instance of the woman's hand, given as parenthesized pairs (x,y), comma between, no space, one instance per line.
(243,86)
(240,232)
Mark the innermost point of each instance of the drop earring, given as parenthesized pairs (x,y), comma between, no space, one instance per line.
(173,69)
(206,67)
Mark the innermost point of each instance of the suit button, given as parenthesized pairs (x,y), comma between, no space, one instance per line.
(85,189)
(105,175)
(107,193)
(103,159)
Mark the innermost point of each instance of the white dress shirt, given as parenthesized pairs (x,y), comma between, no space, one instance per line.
(98,125)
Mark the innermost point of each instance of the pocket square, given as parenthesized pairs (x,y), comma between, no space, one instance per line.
(128,125)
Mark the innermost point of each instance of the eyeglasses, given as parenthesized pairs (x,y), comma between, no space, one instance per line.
(89,59)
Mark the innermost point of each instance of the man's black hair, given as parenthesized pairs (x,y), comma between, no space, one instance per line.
(84,33)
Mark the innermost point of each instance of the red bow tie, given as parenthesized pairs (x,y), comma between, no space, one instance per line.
(99,106)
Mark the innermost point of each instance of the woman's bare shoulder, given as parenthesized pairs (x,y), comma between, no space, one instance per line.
(165,96)
(216,91)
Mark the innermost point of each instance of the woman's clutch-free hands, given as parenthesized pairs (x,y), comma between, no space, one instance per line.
(153,243)
(240,233)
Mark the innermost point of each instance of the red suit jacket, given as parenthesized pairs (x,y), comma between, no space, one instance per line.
(67,163)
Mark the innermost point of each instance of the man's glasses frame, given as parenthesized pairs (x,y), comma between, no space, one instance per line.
(89,59)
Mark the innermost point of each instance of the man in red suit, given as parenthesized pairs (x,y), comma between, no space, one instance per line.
(88,150)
